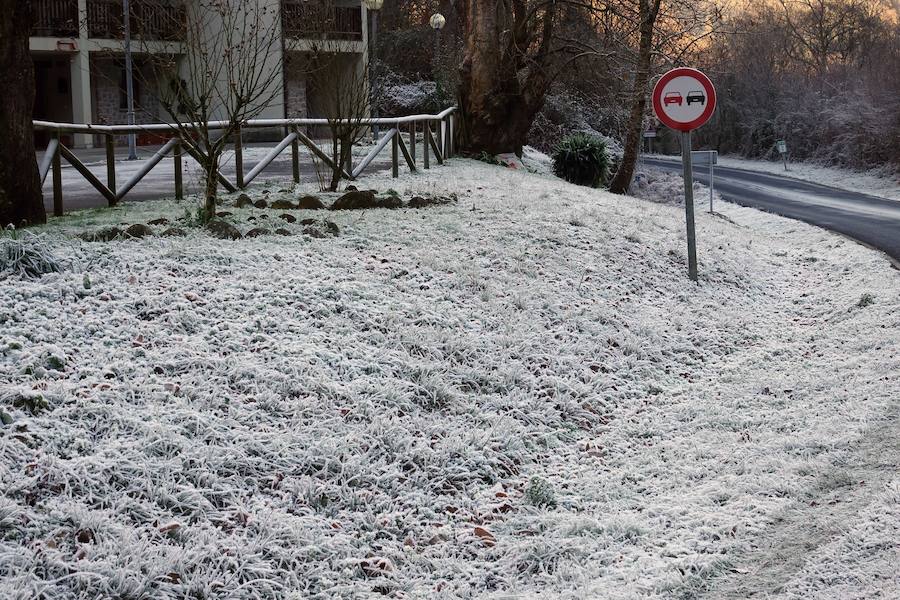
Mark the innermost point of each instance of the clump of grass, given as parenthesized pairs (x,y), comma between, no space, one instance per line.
(540,493)
(25,256)
(488,158)
(25,399)
(865,300)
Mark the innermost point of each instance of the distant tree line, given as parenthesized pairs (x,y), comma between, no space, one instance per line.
(824,75)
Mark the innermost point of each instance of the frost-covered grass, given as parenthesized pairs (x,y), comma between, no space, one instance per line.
(517,394)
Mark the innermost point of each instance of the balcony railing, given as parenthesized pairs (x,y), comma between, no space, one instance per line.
(54,18)
(150,20)
(321,19)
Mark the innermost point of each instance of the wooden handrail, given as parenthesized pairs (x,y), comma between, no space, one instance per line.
(441,148)
(90,128)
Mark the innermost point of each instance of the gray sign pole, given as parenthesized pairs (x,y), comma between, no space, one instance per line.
(711,184)
(689,203)
(129,79)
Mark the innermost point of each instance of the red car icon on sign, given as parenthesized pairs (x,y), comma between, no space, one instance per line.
(672,98)
(696,96)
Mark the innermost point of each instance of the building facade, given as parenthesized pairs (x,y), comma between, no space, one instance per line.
(78,52)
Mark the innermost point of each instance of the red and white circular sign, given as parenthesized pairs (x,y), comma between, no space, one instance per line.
(684,99)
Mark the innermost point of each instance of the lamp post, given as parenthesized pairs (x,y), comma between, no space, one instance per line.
(437,22)
(129,80)
(373,6)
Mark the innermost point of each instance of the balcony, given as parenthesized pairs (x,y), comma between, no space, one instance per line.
(311,19)
(54,18)
(150,20)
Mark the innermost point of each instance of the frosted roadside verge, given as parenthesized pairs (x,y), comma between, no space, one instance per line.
(873,183)
(338,417)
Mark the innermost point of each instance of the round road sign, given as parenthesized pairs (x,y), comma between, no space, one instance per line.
(684,99)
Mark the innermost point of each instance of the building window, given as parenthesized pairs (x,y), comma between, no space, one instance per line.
(123,90)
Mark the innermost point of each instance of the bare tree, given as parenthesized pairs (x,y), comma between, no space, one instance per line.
(338,79)
(669,32)
(647,14)
(825,32)
(21,201)
(227,68)
(343,94)
(821,75)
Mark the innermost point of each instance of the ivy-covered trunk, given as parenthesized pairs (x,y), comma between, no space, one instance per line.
(505,74)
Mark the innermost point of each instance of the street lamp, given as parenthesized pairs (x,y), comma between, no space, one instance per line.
(373,6)
(437,22)
(129,80)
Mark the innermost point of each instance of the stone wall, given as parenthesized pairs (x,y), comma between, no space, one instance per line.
(295,87)
(106,84)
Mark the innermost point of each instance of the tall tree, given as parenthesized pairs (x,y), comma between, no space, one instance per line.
(648,13)
(506,71)
(21,201)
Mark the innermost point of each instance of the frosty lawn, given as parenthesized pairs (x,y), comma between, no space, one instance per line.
(517,394)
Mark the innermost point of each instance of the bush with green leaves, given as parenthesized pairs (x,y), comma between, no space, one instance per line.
(581,159)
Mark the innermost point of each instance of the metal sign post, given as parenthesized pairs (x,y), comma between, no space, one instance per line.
(710,157)
(782,150)
(649,134)
(688,174)
(684,99)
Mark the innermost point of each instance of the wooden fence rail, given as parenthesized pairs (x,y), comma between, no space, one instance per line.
(439,143)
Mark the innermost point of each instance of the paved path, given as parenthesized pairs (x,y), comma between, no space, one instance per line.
(869,219)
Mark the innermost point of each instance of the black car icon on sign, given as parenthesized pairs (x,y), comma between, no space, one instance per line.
(696,96)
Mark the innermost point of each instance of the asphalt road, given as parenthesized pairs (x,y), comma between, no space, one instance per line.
(871,220)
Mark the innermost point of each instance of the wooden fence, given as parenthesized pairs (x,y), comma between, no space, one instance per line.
(439,133)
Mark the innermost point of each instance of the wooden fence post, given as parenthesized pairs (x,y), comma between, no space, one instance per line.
(440,137)
(111,163)
(239,158)
(350,156)
(295,157)
(412,140)
(451,137)
(57,180)
(426,143)
(395,153)
(179,178)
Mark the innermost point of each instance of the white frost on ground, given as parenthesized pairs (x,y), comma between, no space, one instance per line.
(875,182)
(321,418)
(861,562)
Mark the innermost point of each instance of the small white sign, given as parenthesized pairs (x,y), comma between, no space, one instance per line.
(705,157)
(782,146)
(650,133)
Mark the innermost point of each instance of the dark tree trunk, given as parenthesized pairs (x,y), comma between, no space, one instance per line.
(21,200)
(505,73)
(622,180)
